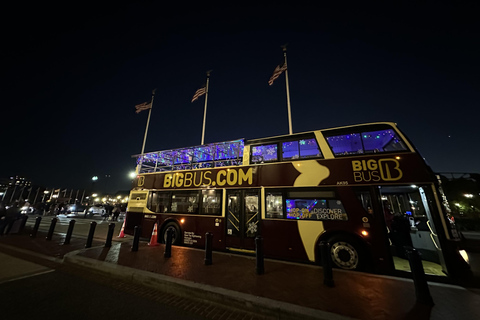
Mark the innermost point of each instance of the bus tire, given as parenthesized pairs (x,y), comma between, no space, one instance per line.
(346,253)
(176,235)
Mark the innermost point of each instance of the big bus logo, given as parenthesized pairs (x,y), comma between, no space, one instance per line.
(141,181)
(374,171)
(230,177)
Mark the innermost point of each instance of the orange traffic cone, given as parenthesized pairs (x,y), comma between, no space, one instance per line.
(122,234)
(153,239)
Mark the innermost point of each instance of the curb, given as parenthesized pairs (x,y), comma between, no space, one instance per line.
(202,292)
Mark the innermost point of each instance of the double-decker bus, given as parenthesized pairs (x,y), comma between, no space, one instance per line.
(363,188)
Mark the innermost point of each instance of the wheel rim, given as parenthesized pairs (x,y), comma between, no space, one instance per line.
(344,255)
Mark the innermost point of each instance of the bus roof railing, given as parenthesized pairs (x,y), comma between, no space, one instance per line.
(216,154)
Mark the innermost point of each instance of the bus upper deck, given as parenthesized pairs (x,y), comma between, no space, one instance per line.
(373,138)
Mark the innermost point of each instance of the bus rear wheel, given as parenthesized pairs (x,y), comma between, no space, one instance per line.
(176,235)
(346,253)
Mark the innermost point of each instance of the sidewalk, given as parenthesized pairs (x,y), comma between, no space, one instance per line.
(285,291)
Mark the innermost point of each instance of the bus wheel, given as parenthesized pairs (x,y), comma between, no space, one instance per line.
(176,235)
(345,253)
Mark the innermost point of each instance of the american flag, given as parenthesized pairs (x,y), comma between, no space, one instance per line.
(143,106)
(198,93)
(277,72)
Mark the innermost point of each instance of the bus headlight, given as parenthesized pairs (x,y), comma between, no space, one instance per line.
(464,255)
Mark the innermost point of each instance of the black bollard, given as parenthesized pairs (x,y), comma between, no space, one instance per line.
(24,221)
(71,224)
(93,224)
(168,244)
(111,228)
(136,238)
(208,248)
(260,267)
(327,264)
(418,274)
(51,229)
(35,227)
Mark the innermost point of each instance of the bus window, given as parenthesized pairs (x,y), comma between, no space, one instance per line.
(300,149)
(185,202)
(159,202)
(264,153)
(211,202)
(274,205)
(379,141)
(315,209)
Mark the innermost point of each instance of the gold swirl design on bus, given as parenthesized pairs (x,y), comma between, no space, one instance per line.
(312,173)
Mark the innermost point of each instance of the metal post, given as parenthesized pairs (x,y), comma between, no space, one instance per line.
(260,267)
(71,224)
(208,248)
(136,238)
(51,229)
(111,228)
(93,224)
(168,244)
(327,264)
(35,227)
(418,274)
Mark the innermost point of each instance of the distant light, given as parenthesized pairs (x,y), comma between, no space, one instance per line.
(132,174)
(182,220)
(458,204)
(94,178)
(468,195)
(413,186)
(364,233)
(397,157)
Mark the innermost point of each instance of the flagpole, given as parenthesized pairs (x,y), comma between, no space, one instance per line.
(205,108)
(284,47)
(146,131)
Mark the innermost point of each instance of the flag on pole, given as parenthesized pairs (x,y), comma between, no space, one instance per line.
(143,106)
(277,72)
(200,92)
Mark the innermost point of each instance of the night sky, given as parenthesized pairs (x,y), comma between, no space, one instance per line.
(72,75)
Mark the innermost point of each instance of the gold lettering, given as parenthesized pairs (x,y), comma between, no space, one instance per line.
(199,180)
(386,169)
(188,179)
(372,165)
(242,176)
(357,176)
(167,180)
(232,177)
(357,165)
(179,179)
(220,173)
(208,178)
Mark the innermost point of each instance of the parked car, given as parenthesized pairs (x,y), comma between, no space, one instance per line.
(95,209)
(76,208)
(27,210)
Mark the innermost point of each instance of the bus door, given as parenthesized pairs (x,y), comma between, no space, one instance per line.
(242,219)
(408,215)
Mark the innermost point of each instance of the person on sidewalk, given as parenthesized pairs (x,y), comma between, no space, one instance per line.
(116,213)
(13,213)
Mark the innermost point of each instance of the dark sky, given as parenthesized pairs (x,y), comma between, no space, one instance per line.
(72,75)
